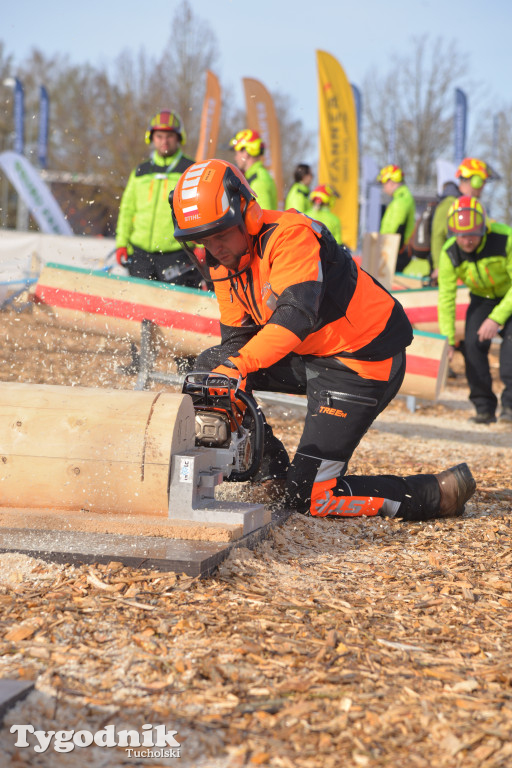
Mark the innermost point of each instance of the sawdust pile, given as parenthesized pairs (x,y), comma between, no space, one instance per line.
(357,643)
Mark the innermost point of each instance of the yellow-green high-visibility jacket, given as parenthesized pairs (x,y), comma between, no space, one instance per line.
(400,215)
(145,219)
(263,185)
(487,272)
(298,198)
(329,219)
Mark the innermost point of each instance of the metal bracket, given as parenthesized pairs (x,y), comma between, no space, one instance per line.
(193,478)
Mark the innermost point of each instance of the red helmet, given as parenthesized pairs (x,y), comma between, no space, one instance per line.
(166,121)
(466,216)
(249,140)
(323,194)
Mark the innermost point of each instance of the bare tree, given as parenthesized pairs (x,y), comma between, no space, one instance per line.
(416,97)
(6,99)
(190,51)
(99,116)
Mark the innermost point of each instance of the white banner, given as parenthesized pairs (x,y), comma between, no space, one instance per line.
(24,254)
(35,193)
(445,172)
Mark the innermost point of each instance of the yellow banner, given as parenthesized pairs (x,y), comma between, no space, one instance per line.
(210,119)
(261,117)
(338,151)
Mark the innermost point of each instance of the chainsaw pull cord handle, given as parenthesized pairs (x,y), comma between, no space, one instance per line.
(258,438)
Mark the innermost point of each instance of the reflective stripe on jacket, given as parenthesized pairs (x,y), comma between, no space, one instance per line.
(327,217)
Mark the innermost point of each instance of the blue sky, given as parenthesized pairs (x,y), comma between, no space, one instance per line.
(274,41)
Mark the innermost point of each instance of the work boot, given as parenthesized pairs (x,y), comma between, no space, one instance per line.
(457,485)
(483,417)
(506,414)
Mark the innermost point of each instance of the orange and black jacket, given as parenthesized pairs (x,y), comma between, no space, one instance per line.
(303,293)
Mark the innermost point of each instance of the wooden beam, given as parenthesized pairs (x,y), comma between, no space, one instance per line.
(97,450)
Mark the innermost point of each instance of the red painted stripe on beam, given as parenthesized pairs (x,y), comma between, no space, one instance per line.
(429,314)
(126,310)
(167,318)
(422,366)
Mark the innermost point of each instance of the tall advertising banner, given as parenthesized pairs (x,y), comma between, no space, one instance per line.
(44,119)
(338,147)
(35,194)
(262,117)
(459,126)
(210,119)
(359,111)
(19,117)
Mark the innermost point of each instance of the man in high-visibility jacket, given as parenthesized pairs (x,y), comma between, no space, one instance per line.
(400,214)
(322,198)
(472,175)
(144,241)
(249,149)
(298,315)
(479,253)
(298,196)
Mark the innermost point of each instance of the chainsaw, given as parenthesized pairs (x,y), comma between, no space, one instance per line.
(228,419)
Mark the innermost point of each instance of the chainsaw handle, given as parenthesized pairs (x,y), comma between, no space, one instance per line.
(258,438)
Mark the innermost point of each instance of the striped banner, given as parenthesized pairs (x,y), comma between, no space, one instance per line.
(210,119)
(262,117)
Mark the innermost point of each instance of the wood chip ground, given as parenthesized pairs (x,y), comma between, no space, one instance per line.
(334,643)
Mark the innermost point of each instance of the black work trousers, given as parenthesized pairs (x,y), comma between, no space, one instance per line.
(167,267)
(341,407)
(476,354)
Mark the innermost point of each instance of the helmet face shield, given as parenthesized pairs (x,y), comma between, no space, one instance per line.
(466,217)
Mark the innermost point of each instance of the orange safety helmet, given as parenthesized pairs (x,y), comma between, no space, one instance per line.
(466,216)
(390,173)
(209,198)
(323,194)
(166,121)
(474,170)
(248,140)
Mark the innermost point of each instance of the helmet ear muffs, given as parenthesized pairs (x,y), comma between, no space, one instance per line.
(253,218)
(476,182)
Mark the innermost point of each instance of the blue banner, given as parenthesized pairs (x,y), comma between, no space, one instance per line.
(357,101)
(44,118)
(19,117)
(392,141)
(459,126)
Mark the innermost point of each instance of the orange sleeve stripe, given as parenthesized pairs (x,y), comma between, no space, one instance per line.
(379,370)
(269,346)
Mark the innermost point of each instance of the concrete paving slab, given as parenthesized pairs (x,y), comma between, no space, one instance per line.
(12,691)
(194,558)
